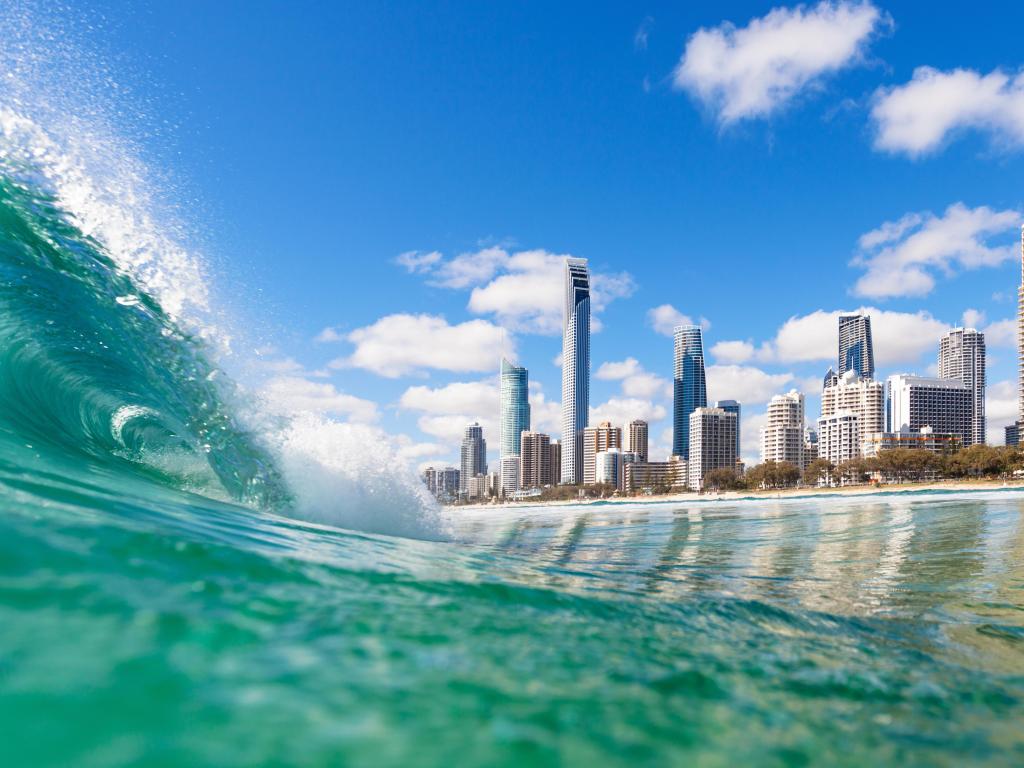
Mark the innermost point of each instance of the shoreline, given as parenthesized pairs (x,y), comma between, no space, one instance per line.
(785,493)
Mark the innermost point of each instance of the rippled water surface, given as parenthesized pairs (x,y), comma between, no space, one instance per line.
(171,630)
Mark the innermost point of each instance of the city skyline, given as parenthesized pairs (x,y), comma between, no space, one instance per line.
(683,206)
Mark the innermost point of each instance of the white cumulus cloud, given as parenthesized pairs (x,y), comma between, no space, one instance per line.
(734,352)
(1000,409)
(523,290)
(744,383)
(401,344)
(636,382)
(920,116)
(622,410)
(294,393)
(899,337)
(900,258)
(664,318)
(750,72)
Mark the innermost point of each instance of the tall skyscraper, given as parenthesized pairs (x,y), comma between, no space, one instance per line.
(575,368)
(473,454)
(962,357)
(636,438)
(713,444)
(515,407)
(596,439)
(732,406)
(1020,337)
(689,389)
(782,439)
(856,351)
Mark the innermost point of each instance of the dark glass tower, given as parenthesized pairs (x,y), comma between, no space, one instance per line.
(856,352)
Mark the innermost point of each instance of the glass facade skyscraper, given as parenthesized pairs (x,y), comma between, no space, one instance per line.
(732,406)
(689,388)
(856,351)
(515,407)
(575,368)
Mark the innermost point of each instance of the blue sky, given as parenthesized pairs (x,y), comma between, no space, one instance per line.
(752,166)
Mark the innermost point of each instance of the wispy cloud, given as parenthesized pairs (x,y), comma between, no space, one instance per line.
(401,344)
(900,258)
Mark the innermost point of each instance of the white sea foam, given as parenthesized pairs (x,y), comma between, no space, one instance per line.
(350,476)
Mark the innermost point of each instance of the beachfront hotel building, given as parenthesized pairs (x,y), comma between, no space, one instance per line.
(514,416)
(712,443)
(782,438)
(926,439)
(556,462)
(575,368)
(596,439)
(915,402)
(839,437)
(856,350)
(962,358)
(473,456)
(689,388)
(534,460)
(852,394)
(608,467)
(509,475)
(636,438)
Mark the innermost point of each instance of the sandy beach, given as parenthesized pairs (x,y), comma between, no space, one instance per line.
(747,495)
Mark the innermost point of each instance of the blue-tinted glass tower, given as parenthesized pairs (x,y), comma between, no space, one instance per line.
(515,407)
(689,388)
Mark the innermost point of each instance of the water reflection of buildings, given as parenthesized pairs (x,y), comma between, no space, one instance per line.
(887,557)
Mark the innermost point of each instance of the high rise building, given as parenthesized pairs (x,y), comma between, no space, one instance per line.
(1020,337)
(732,406)
(962,357)
(515,407)
(575,368)
(509,475)
(556,462)
(636,438)
(597,439)
(689,388)
(839,437)
(856,351)
(712,443)
(473,455)
(1011,434)
(608,467)
(534,460)
(782,438)
(831,378)
(442,483)
(864,398)
(914,402)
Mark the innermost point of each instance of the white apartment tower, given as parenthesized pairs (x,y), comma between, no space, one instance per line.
(575,368)
(712,443)
(782,439)
(862,398)
(962,358)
